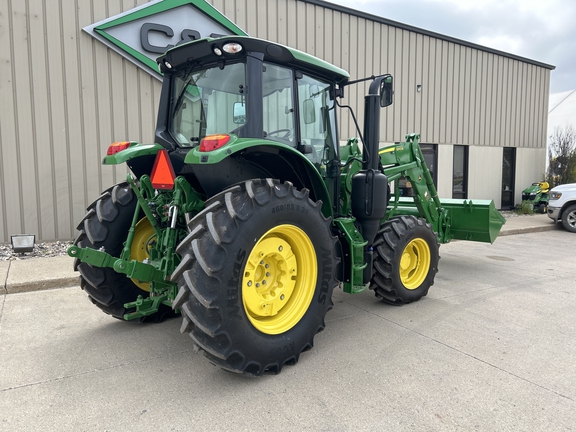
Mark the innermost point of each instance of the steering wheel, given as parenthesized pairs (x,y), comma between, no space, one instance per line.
(287,133)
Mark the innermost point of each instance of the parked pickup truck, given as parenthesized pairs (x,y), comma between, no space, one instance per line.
(562,205)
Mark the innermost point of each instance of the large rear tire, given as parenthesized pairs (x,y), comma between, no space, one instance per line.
(256,277)
(106,226)
(406,260)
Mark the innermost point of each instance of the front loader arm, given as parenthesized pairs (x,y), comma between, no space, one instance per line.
(406,160)
(474,220)
(462,219)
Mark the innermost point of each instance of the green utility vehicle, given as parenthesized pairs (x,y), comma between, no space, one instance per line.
(537,195)
(246,212)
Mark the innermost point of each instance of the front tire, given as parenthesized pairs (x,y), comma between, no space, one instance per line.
(257,276)
(569,218)
(406,260)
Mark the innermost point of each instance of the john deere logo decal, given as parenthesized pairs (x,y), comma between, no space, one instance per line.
(144,33)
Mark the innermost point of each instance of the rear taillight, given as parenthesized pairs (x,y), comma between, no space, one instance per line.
(213,142)
(117,147)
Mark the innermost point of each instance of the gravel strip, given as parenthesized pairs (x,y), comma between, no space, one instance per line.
(41,250)
(512,213)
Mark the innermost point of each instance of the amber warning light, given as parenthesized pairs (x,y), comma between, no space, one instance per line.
(162,173)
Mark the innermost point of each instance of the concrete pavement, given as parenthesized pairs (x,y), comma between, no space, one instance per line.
(44,273)
(491,348)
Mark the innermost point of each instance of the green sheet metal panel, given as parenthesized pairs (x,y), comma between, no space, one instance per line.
(475,220)
(470,219)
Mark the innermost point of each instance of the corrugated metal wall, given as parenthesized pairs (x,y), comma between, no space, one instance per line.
(467,96)
(65,96)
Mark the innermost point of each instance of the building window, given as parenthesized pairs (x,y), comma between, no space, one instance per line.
(460,172)
(430,152)
(508,176)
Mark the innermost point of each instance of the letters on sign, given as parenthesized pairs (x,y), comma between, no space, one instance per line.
(186,35)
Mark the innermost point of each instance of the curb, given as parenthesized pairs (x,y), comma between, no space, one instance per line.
(527,230)
(37,274)
(41,285)
(4,266)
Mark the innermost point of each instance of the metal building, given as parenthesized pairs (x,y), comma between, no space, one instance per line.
(65,96)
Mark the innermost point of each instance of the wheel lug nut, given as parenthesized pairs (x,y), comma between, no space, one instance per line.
(282,297)
(257,285)
(280,248)
(263,282)
(262,262)
(266,266)
(249,283)
(267,274)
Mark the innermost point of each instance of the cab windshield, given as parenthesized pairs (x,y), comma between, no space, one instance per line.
(207,101)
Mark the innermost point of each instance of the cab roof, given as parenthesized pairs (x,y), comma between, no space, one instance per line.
(202,51)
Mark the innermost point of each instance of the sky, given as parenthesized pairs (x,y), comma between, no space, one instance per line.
(541,30)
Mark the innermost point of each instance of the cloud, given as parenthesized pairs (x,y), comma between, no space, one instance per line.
(541,31)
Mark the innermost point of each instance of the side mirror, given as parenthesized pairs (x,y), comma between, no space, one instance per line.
(309,111)
(239,114)
(386,92)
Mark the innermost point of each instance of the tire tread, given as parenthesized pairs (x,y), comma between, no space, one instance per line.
(200,296)
(384,281)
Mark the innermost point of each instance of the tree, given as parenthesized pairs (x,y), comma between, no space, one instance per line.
(562,156)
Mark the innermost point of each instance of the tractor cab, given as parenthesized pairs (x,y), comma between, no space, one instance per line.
(232,105)
(239,88)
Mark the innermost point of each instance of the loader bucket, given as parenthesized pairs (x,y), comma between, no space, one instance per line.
(473,220)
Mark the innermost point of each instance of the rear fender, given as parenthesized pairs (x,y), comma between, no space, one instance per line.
(140,158)
(245,159)
(134,151)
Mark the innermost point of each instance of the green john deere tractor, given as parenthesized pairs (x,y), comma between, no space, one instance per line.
(537,195)
(246,212)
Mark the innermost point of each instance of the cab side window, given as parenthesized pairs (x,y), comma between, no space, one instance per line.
(317,119)
(278,104)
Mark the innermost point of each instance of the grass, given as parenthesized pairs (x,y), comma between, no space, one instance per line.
(525,208)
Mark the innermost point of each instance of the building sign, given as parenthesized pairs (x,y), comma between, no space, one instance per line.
(144,33)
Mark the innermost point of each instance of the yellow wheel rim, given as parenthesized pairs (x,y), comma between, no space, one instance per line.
(279,279)
(144,238)
(414,263)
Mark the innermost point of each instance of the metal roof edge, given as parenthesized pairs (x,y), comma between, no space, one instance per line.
(386,21)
